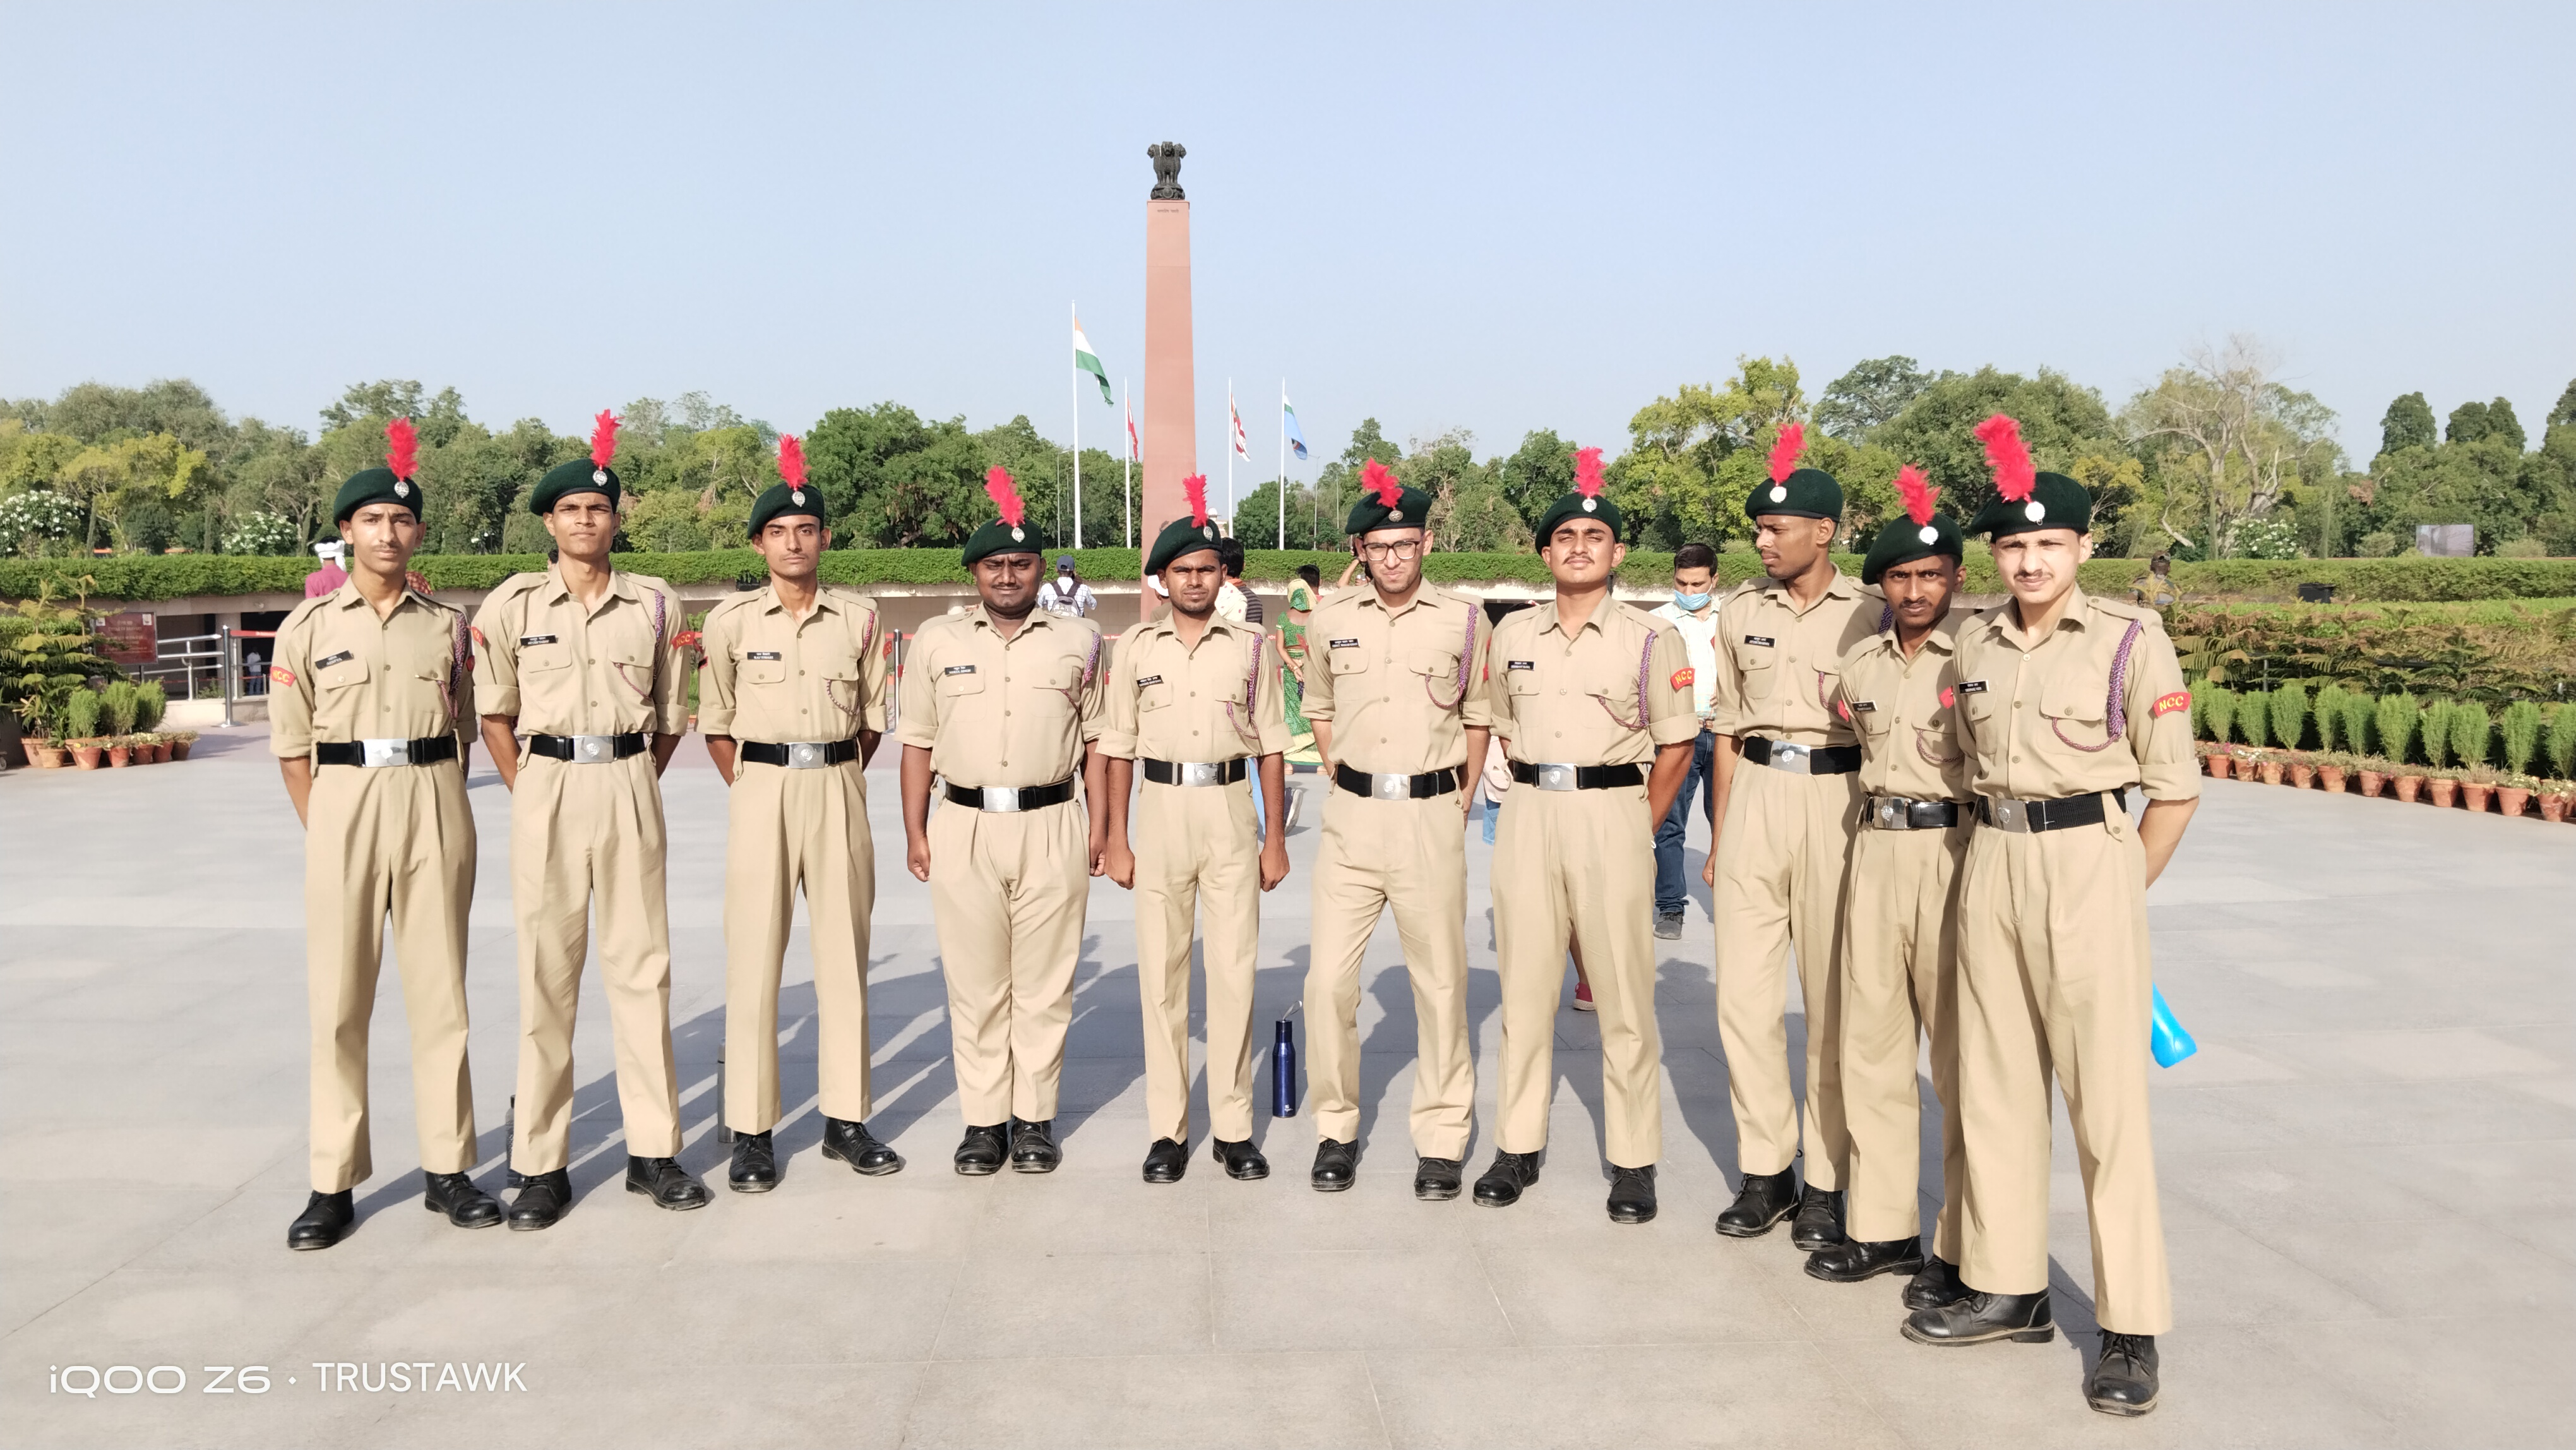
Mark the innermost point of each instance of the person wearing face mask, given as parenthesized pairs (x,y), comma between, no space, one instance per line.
(1694,613)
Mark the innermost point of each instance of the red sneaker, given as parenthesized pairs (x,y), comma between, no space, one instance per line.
(1583,996)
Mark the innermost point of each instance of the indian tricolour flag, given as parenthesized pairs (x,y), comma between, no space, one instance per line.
(1085,360)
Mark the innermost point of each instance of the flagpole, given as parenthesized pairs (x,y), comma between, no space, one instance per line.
(1229,455)
(1283,463)
(1074,379)
(1127,466)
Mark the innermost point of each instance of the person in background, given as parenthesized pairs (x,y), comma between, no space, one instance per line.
(1239,604)
(1293,659)
(1693,611)
(1065,595)
(2155,588)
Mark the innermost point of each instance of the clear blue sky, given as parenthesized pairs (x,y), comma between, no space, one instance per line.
(1489,218)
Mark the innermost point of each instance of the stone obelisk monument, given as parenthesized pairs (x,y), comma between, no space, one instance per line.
(1171,434)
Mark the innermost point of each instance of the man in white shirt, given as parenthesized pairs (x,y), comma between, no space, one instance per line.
(1066,595)
(1693,611)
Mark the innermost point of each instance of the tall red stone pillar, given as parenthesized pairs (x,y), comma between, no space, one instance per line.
(1171,434)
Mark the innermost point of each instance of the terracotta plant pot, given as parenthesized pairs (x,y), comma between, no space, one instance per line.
(2218,766)
(2372,783)
(2445,791)
(87,755)
(2477,795)
(2409,787)
(2513,800)
(2271,772)
(120,755)
(52,757)
(2332,776)
(2303,775)
(160,752)
(2553,807)
(179,749)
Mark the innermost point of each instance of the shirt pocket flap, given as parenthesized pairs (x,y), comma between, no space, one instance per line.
(754,671)
(338,673)
(836,664)
(1348,660)
(1435,662)
(552,655)
(961,680)
(2075,701)
(1155,696)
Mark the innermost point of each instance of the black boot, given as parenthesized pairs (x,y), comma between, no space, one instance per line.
(2123,1381)
(1166,1161)
(1242,1160)
(665,1182)
(981,1151)
(1851,1260)
(1935,1285)
(1336,1164)
(755,1164)
(850,1141)
(1764,1200)
(1436,1180)
(542,1199)
(1632,1194)
(1501,1185)
(1983,1318)
(1033,1148)
(1820,1219)
(455,1195)
(325,1218)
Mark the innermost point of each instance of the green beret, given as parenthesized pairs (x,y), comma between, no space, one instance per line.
(374,485)
(998,537)
(779,499)
(1576,506)
(2055,502)
(1412,511)
(1179,537)
(565,479)
(1902,541)
(1808,493)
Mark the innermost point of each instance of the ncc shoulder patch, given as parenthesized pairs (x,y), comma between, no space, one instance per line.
(327,661)
(477,631)
(2179,700)
(281,675)
(1763,640)
(1684,678)
(1949,697)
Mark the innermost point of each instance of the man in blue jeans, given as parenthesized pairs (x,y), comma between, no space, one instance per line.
(1694,612)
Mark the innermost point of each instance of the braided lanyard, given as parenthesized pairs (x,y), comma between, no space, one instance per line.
(457,668)
(1090,667)
(661,619)
(1645,665)
(1466,654)
(2115,710)
(1247,726)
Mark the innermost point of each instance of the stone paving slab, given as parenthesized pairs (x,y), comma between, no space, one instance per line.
(2369,1186)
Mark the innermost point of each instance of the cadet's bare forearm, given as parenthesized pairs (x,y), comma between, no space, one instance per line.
(2160,831)
(663,745)
(1672,762)
(916,811)
(1478,738)
(868,742)
(1095,797)
(298,772)
(501,737)
(1119,783)
(1721,779)
(1323,742)
(720,749)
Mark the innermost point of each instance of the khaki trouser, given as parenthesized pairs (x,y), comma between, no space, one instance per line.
(1009,890)
(1195,847)
(585,834)
(1410,855)
(2054,972)
(785,829)
(1900,978)
(1781,854)
(1579,864)
(396,841)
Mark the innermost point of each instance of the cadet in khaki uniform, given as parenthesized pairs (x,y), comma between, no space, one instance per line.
(1592,692)
(585,659)
(1786,793)
(1003,702)
(1400,709)
(363,697)
(1195,697)
(1900,920)
(2069,700)
(792,701)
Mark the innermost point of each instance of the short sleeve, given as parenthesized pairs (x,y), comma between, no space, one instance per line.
(670,663)
(1118,723)
(496,665)
(716,674)
(2159,719)
(1726,691)
(872,674)
(1476,709)
(1094,693)
(918,712)
(290,689)
(1269,701)
(1671,708)
(1317,701)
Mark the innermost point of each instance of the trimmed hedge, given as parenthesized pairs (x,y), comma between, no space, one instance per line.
(136,577)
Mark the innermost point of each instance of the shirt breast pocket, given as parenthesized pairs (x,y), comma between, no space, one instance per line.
(332,682)
(1351,660)
(1985,719)
(772,671)
(1760,672)
(633,669)
(1872,722)
(1520,682)
(2077,715)
(1436,664)
(1156,696)
(957,686)
(543,659)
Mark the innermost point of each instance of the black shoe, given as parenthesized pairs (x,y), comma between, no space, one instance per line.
(1764,1200)
(1241,1160)
(665,1182)
(1166,1161)
(1336,1164)
(1935,1284)
(850,1141)
(1668,925)
(1851,1260)
(755,1164)
(465,1205)
(1437,1180)
(981,1151)
(1632,1194)
(325,1218)
(2123,1381)
(1033,1148)
(1983,1318)
(1819,1223)
(542,1199)
(1500,1185)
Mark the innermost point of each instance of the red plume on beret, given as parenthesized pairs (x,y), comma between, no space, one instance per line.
(1918,493)
(603,438)
(1194,488)
(1587,472)
(2008,456)
(402,453)
(1381,480)
(1784,453)
(791,460)
(1005,496)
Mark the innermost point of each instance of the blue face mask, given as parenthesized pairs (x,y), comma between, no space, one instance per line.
(1689,603)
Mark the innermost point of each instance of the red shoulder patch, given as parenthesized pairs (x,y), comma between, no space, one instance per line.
(2169,704)
(1949,697)
(281,675)
(1685,677)
(1843,710)
(477,631)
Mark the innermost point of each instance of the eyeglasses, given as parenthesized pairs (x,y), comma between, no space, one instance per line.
(1400,549)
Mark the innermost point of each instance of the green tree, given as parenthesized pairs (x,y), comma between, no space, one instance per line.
(1696,455)
(2228,442)
(2065,423)
(2408,423)
(1872,393)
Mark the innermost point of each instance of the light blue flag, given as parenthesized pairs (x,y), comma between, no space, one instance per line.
(1288,422)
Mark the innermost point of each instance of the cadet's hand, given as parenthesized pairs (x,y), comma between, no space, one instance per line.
(1100,853)
(1118,864)
(916,855)
(1274,861)
(1708,873)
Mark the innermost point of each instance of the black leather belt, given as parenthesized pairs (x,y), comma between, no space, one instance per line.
(1421,787)
(1802,759)
(1011,797)
(800,755)
(2021,817)
(386,752)
(587,748)
(1192,772)
(1901,813)
(1577,777)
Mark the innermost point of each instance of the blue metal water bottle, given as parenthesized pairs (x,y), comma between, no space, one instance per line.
(1283,1071)
(2165,1036)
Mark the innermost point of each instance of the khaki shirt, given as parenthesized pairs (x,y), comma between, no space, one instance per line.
(2041,717)
(562,669)
(1911,744)
(772,677)
(1390,681)
(1608,694)
(1212,702)
(1776,665)
(339,673)
(995,711)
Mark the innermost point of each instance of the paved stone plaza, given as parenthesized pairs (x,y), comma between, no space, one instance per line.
(2369,1186)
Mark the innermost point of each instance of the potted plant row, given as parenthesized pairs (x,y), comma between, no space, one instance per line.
(110,727)
(2475,787)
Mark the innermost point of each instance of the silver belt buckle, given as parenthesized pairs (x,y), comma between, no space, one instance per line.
(1556,777)
(1391,787)
(592,749)
(1199,772)
(1001,798)
(385,752)
(2008,814)
(804,755)
(1892,813)
(1791,758)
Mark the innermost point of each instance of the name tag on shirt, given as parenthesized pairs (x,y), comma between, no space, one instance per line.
(1149,680)
(327,661)
(958,670)
(1763,640)
(526,640)
(1343,644)
(761,654)
(1972,687)
(1863,706)
(1520,664)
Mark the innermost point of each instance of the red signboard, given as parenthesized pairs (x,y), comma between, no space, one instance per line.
(129,638)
